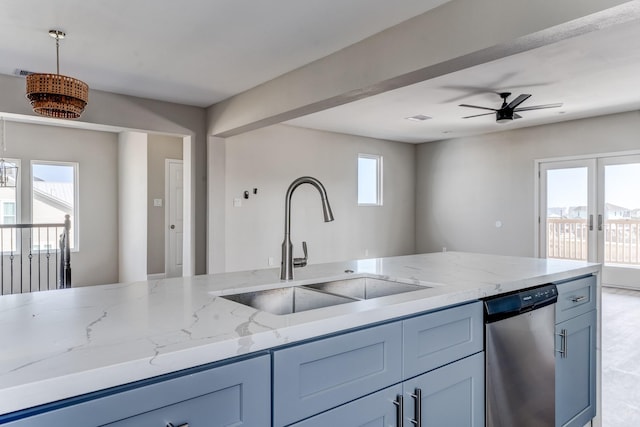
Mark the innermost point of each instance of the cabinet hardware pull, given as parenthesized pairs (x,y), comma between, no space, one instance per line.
(181,425)
(579,299)
(417,415)
(563,344)
(399,402)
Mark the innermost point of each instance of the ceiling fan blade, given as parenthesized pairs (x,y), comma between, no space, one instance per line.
(539,107)
(519,100)
(477,115)
(477,106)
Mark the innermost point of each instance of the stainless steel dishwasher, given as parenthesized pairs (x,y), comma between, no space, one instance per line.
(520,358)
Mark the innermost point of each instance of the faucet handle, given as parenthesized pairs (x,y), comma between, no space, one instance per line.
(302,262)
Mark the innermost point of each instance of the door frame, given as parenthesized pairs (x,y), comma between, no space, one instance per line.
(167,208)
(601,160)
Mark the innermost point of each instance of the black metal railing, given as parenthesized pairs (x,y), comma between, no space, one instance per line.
(35,257)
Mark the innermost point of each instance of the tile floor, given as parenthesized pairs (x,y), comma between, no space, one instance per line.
(620,358)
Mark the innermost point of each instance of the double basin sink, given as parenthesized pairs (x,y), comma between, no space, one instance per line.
(295,299)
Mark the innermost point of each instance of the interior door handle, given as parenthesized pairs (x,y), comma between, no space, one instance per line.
(599,222)
(591,222)
(172,227)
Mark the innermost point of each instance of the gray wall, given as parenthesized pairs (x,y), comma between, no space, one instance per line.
(465,185)
(133,113)
(269,159)
(97,154)
(160,147)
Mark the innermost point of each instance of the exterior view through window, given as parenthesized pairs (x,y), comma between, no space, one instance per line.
(369,180)
(53,195)
(9,209)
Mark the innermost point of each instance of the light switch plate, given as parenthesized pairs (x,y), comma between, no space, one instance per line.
(157,203)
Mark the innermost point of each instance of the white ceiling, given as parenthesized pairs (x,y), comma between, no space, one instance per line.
(199,52)
(593,74)
(194,52)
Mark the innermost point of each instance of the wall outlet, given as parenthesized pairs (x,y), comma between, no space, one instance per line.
(237,202)
(271,261)
(157,203)
(444,249)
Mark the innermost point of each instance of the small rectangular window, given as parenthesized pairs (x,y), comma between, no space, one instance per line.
(369,180)
(54,191)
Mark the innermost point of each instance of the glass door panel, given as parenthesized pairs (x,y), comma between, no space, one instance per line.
(619,220)
(566,214)
(567,200)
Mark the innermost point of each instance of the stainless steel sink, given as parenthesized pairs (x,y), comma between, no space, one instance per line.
(288,300)
(365,288)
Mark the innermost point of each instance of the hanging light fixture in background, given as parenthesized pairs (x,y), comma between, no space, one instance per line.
(55,95)
(8,170)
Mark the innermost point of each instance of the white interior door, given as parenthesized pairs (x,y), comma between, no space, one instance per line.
(174,217)
(590,210)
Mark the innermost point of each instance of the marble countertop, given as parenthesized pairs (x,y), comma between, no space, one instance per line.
(63,343)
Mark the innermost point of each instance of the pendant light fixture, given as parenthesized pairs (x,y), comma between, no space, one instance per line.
(55,95)
(8,170)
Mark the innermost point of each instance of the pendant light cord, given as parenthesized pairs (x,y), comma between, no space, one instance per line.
(58,54)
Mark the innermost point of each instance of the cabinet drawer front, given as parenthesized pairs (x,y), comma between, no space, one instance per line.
(435,339)
(316,376)
(575,297)
(235,394)
(376,410)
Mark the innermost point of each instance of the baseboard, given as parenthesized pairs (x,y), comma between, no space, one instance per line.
(156,276)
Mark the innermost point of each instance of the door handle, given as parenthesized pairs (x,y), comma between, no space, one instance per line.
(599,222)
(399,402)
(591,222)
(172,227)
(417,408)
(563,344)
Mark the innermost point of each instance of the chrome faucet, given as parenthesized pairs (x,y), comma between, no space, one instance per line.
(288,261)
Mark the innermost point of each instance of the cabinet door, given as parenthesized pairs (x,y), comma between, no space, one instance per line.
(452,395)
(323,374)
(576,370)
(236,394)
(376,410)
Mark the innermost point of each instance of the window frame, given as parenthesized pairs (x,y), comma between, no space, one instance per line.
(379,178)
(75,225)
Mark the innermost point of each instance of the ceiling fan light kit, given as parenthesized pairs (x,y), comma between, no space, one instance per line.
(508,111)
(55,95)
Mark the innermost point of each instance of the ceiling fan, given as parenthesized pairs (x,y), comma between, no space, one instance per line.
(509,111)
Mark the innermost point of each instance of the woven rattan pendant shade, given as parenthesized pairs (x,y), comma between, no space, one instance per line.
(55,95)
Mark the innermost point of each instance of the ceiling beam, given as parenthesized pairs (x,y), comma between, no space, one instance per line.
(457,35)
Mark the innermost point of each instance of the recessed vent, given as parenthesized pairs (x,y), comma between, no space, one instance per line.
(22,73)
(418,118)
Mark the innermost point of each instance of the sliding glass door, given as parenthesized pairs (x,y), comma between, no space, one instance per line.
(590,210)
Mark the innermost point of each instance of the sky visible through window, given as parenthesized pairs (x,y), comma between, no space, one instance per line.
(568,187)
(53,173)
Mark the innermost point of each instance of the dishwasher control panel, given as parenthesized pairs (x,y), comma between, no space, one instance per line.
(514,303)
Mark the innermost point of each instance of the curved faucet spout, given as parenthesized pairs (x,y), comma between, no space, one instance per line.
(286,265)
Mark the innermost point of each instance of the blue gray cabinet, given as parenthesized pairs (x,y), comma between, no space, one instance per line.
(352,379)
(235,394)
(377,409)
(452,395)
(576,352)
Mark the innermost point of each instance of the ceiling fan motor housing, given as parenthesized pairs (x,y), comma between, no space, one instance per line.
(504,116)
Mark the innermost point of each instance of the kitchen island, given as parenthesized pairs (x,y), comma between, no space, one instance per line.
(65,343)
